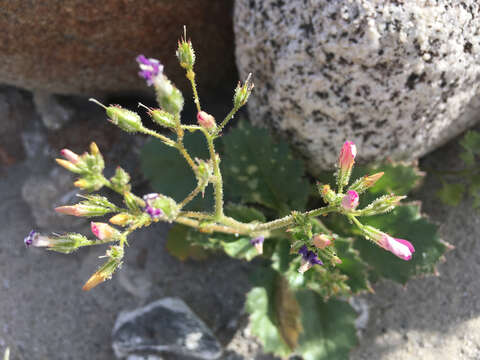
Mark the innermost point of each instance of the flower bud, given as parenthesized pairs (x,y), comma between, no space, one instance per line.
(70,156)
(37,240)
(206,120)
(89,183)
(185,54)
(242,92)
(66,243)
(104,231)
(399,247)
(326,192)
(126,120)
(381,205)
(69,166)
(106,271)
(350,200)
(121,219)
(345,163)
(321,241)
(120,180)
(365,182)
(83,210)
(133,202)
(258,243)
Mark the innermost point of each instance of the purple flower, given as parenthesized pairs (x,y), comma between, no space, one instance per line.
(149,208)
(309,258)
(258,243)
(149,68)
(37,240)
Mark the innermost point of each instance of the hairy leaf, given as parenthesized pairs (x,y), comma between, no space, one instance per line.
(258,170)
(169,173)
(329,328)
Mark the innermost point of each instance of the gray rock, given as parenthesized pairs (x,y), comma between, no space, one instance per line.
(54,114)
(166,327)
(397,78)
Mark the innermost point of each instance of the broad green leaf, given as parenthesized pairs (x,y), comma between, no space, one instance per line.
(263,315)
(329,328)
(404,222)
(352,265)
(451,194)
(180,246)
(244,213)
(398,179)
(323,330)
(169,173)
(240,249)
(258,170)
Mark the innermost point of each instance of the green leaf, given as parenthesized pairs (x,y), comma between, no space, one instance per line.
(260,305)
(240,249)
(398,179)
(451,194)
(352,265)
(404,222)
(279,316)
(180,245)
(471,142)
(258,170)
(169,173)
(244,213)
(328,328)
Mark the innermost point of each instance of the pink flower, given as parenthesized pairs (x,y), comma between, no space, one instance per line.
(321,241)
(350,200)
(103,231)
(398,247)
(347,156)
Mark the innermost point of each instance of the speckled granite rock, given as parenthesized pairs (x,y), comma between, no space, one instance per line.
(396,77)
(89,47)
(166,327)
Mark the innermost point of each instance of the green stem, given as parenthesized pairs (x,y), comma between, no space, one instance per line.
(226,120)
(191,76)
(181,148)
(191,196)
(218,183)
(153,133)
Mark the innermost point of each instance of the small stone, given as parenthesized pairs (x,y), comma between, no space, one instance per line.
(166,327)
(54,114)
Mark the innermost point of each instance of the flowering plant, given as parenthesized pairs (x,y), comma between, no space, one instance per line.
(311,260)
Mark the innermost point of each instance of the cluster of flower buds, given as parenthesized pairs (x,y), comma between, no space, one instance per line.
(105,272)
(88,165)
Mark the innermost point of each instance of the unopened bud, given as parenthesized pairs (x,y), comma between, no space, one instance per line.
(89,183)
(206,120)
(133,202)
(381,205)
(258,243)
(242,92)
(120,180)
(83,210)
(94,148)
(121,219)
(66,243)
(321,241)
(365,182)
(69,166)
(106,270)
(326,192)
(345,163)
(104,231)
(70,156)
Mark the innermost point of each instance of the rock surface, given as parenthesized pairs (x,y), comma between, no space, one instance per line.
(165,327)
(86,47)
(395,77)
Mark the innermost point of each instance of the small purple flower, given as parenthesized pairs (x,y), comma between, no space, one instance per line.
(37,240)
(309,258)
(258,243)
(149,68)
(149,208)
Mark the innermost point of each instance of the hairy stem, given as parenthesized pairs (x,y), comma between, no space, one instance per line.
(191,76)
(218,183)
(191,196)
(165,139)
(226,120)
